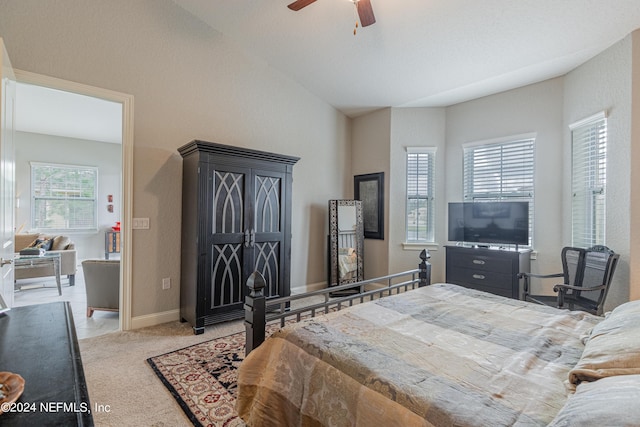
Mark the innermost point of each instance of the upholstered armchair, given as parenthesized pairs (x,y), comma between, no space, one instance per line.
(102,283)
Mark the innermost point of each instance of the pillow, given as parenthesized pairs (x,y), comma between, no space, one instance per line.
(610,401)
(613,347)
(60,243)
(43,244)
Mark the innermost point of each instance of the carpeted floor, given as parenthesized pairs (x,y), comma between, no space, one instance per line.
(121,382)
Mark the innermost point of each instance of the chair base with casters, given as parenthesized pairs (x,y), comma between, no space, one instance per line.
(102,283)
(586,278)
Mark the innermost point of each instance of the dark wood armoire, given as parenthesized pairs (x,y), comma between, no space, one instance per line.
(236,218)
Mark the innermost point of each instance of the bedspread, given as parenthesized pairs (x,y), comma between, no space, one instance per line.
(439,355)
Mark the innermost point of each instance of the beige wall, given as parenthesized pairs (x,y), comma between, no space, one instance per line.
(415,127)
(604,84)
(189,82)
(634,196)
(370,145)
(534,109)
(607,82)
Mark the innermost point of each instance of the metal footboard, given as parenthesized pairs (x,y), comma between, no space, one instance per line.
(259,311)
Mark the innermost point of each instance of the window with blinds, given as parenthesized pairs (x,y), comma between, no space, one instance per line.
(588,181)
(500,170)
(420,221)
(63,197)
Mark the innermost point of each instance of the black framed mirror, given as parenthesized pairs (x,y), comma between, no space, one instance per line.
(346,242)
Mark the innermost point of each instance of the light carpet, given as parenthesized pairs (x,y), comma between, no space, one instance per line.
(120,381)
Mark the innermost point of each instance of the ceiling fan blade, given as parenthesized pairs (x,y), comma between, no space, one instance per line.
(299,4)
(365,12)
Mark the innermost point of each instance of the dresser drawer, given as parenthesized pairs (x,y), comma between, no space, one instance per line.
(479,262)
(489,270)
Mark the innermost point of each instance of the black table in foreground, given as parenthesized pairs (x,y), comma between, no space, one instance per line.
(39,343)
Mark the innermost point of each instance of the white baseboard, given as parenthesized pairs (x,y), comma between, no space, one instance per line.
(155,319)
(310,287)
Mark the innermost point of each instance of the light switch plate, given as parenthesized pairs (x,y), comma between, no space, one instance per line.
(140,223)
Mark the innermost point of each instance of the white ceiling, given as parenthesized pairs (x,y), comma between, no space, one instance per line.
(54,112)
(420,52)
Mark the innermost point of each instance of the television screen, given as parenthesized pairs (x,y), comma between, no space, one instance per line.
(489,222)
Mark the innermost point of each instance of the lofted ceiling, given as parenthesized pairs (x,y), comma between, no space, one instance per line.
(420,52)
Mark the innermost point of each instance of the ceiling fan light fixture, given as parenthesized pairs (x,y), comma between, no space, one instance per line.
(363,10)
(355,14)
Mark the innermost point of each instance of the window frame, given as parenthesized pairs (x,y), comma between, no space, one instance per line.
(93,227)
(428,197)
(508,168)
(589,180)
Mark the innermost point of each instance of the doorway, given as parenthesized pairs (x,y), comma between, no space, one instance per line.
(124,185)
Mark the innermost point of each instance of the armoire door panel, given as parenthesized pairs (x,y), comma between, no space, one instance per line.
(268,202)
(226,275)
(267,261)
(228,210)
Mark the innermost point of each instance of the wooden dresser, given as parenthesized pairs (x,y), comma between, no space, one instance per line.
(490,270)
(39,343)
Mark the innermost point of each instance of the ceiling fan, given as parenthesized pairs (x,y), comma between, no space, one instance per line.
(365,12)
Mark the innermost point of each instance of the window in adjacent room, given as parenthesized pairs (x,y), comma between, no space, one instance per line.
(588,180)
(500,170)
(63,197)
(420,194)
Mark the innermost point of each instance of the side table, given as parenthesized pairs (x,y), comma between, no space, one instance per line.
(111,243)
(38,261)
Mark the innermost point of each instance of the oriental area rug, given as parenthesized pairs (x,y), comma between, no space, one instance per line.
(203,379)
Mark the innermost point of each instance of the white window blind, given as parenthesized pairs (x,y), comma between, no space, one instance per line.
(420,195)
(63,197)
(589,178)
(500,170)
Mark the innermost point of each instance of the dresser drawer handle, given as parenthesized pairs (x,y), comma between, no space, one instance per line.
(478,261)
(478,276)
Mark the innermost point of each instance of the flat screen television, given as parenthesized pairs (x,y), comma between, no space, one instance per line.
(489,222)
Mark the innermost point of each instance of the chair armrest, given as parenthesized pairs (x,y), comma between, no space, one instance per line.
(539,276)
(562,287)
(526,276)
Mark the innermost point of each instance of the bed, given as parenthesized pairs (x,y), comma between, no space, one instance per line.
(444,355)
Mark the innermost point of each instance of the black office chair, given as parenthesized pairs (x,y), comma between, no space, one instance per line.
(587,276)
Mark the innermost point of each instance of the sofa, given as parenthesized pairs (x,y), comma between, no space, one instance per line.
(102,283)
(52,244)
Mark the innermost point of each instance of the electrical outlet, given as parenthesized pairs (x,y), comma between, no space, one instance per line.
(166,283)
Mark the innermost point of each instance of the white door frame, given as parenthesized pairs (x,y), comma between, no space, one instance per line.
(127,172)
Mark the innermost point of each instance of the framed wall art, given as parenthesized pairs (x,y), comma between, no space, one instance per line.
(369,188)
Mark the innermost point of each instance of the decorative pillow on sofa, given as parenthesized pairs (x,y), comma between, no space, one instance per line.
(613,347)
(610,401)
(43,244)
(60,243)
